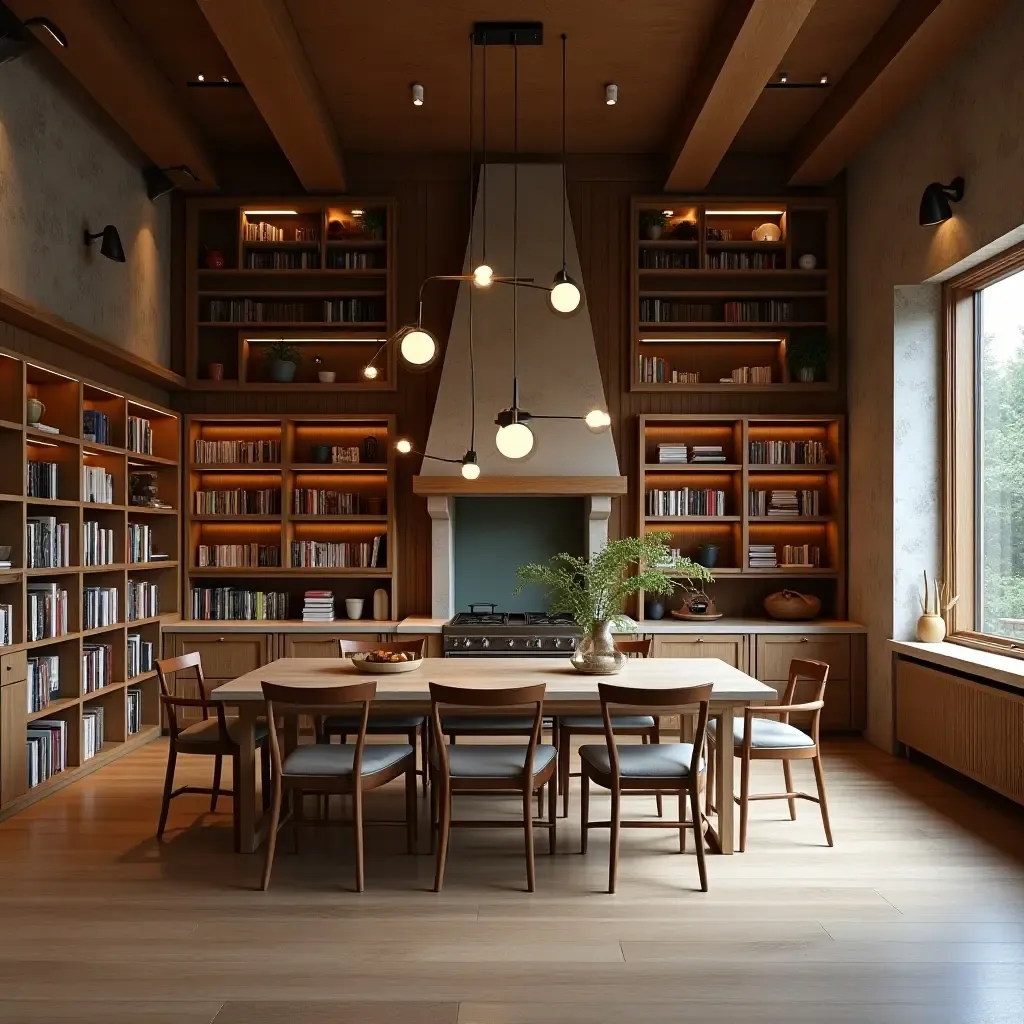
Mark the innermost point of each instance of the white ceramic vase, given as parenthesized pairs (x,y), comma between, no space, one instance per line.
(354,607)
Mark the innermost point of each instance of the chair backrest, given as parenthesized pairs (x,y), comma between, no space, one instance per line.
(350,647)
(285,702)
(634,648)
(166,667)
(817,673)
(677,700)
(487,699)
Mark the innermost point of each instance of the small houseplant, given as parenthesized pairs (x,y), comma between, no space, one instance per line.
(374,223)
(282,361)
(594,591)
(808,359)
(652,223)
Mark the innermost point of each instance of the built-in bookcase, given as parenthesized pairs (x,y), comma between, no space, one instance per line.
(777,482)
(263,490)
(70,475)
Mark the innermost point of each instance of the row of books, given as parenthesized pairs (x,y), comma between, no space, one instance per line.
(314,554)
(353,311)
(95,426)
(143,600)
(97,485)
(312,501)
(221,603)
(43,674)
(262,501)
(353,259)
(41,479)
(775,311)
(47,543)
(748,375)
(783,503)
(661,311)
(672,452)
(745,261)
(237,555)
(141,656)
(214,452)
(47,743)
(318,606)
(687,501)
(788,453)
(263,231)
(134,695)
(98,545)
(47,613)
(140,435)
(97,666)
(655,370)
(667,259)
(99,607)
(304,259)
(140,542)
(6,625)
(92,731)
(765,556)
(329,311)
(344,454)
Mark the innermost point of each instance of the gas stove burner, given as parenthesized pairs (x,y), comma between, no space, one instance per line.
(480,619)
(544,619)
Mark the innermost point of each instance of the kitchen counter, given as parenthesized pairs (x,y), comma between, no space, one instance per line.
(291,626)
(669,625)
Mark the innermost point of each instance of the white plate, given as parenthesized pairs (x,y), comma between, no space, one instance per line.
(372,668)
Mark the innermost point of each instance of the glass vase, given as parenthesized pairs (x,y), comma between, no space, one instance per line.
(596,654)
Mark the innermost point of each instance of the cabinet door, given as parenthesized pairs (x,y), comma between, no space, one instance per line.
(728,647)
(224,658)
(319,645)
(13,769)
(776,651)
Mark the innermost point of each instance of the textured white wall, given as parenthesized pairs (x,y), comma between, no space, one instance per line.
(60,171)
(968,122)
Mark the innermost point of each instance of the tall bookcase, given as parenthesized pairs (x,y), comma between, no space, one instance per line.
(70,404)
(305,444)
(740,588)
(734,296)
(318,273)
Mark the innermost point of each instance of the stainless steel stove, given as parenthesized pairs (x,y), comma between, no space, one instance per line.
(484,632)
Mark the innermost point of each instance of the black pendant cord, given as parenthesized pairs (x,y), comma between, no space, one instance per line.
(472,361)
(565,197)
(515,228)
(483,176)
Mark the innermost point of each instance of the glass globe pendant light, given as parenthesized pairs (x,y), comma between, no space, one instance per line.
(565,295)
(418,347)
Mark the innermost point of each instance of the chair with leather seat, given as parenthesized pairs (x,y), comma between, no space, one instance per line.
(645,726)
(522,769)
(382,723)
(347,769)
(677,768)
(763,738)
(214,735)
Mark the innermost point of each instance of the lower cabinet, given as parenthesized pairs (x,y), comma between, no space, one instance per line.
(225,657)
(319,645)
(13,762)
(732,648)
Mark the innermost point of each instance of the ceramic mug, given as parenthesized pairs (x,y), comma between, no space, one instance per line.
(320,453)
(354,607)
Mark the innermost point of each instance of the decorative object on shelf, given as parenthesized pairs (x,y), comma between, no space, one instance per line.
(354,607)
(707,555)
(282,361)
(594,591)
(142,490)
(808,261)
(320,453)
(935,202)
(936,600)
(370,448)
(767,232)
(110,246)
(652,224)
(34,410)
(326,376)
(373,506)
(380,605)
(214,259)
(808,358)
(685,231)
(335,230)
(791,606)
(374,224)
(216,371)
(655,609)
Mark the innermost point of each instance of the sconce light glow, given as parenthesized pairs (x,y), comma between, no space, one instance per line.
(483,276)
(597,420)
(470,469)
(418,347)
(514,441)
(611,94)
(370,372)
(403,446)
(417,95)
(565,296)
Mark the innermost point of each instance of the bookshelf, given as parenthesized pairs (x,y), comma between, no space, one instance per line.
(743,440)
(355,504)
(63,543)
(318,273)
(713,310)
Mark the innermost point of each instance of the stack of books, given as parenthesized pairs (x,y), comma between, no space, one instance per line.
(762,556)
(92,731)
(134,710)
(47,749)
(43,681)
(707,453)
(782,504)
(672,453)
(318,606)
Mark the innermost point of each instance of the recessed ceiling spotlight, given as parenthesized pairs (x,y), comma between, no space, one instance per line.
(417,95)
(200,78)
(611,94)
(823,80)
(224,78)
(783,77)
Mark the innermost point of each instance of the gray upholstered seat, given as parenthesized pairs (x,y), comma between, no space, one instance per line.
(338,758)
(494,761)
(767,734)
(486,725)
(379,725)
(636,761)
(207,732)
(618,722)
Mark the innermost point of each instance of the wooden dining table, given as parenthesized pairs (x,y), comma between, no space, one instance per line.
(568,693)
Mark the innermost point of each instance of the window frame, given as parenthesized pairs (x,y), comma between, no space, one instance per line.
(961,345)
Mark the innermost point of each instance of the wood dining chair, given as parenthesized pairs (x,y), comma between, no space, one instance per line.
(762,738)
(645,726)
(382,723)
(324,769)
(524,769)
(214,735)
(634,768)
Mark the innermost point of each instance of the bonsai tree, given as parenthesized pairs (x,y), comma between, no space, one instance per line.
(595,590)
(282,351)
(808,354)
(374,223)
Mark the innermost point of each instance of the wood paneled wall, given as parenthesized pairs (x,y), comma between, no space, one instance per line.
(433,222)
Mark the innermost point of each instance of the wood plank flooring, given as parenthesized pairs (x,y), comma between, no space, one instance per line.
(917,915)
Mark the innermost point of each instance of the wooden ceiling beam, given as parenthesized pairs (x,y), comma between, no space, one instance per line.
(912,47)
(261,42)
(110,62)
(747,45)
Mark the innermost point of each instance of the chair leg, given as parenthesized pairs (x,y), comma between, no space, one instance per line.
(613,847)
(218,764)
(564,746)
(444,826)
(552,811)
(425,754)
(165,806)
(434,810)
(296,806)
(787,774)
(744,801)
(531,882)
(357,829)
(698,836)
(265,781)
(656,738)
(819,778)
(584,810)
(709,796)
(411,810)
(275,821)
(682,817)
(540,802)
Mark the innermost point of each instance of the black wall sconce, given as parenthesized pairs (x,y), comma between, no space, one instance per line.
(110,246)
(159,184)
(936,199)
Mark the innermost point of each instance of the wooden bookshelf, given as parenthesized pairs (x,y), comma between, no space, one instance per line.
(300,438)
(740,588)
(343,260)
(708,301)
(69,403)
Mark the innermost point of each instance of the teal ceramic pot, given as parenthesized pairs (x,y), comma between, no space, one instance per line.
(281,372)
(655,610)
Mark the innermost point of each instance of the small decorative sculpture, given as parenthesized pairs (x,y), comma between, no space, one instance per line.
(931,626)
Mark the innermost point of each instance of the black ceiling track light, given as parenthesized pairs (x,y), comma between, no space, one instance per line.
(15,37)
(935,202)
(159,184)
(783,81)
(508,33)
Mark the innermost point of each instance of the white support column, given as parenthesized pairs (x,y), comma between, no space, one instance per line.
(599,509)
(442,556)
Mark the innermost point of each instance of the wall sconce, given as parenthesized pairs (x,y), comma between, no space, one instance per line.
(15,38)
(159,184)
(110,246)
(936,199)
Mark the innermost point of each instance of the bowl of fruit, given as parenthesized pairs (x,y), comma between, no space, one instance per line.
(383,661)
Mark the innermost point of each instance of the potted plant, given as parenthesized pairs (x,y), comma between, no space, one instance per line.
(282,361)
(652,223)
(808,359)
(374,224)
(594,591)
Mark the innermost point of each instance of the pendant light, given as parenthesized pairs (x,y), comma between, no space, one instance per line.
(483,274)
(565,295)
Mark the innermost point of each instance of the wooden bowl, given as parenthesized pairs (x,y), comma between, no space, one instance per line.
(791,606)
(372,668)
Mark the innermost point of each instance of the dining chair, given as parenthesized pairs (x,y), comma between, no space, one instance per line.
(645,726)
(764,739)
(478,768)
(324,769)
(215,736)
(636,768)
(382,723)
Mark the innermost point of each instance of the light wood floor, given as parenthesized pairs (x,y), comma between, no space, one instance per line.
(917,915)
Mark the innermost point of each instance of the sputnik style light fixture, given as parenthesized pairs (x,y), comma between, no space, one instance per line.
(565,294)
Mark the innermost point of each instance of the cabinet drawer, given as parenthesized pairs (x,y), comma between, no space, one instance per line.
(775,652)
(13,668)
(322,645)
(227,656)
(728,647)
